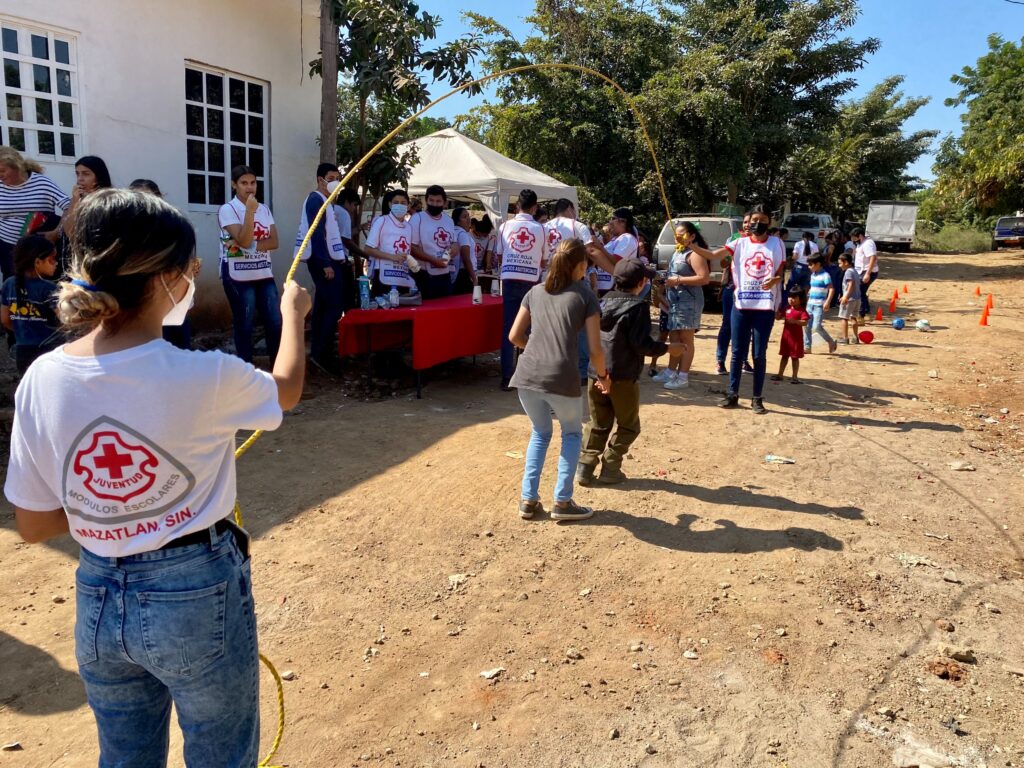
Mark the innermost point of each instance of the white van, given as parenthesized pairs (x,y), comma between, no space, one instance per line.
(818,224)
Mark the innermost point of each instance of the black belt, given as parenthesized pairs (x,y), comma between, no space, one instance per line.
(199,537)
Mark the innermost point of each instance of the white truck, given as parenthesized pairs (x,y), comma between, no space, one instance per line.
(891,224)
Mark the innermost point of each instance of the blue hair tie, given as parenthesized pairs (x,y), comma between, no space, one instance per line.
(83,284)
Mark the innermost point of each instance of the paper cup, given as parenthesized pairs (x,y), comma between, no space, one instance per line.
(478,294)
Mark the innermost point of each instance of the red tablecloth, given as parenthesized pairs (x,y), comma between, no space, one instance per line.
(440,329)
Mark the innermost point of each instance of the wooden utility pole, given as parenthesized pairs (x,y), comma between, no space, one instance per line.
(329,84)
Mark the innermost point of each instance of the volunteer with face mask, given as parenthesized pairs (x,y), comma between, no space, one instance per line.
(248,235)
(434,244)
(389,245)
(757,264)
(622,244)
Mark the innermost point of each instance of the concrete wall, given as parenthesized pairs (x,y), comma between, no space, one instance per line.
(131,58)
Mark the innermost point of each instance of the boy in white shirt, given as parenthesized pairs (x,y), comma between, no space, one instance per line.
(865,262)
(434,244)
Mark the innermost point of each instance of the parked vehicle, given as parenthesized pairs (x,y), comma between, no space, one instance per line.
(891,224)
(1008,232)
(820,224)
(717,230)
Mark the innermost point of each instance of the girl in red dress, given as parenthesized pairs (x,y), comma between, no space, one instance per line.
(792,345)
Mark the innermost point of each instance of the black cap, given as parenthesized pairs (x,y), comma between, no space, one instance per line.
(629,273)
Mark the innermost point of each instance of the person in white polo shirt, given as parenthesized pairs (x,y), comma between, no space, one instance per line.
(522,246)
(389,245)
(434,244)
(865,262)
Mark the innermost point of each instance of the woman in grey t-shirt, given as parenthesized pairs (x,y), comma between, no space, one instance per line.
(547,376)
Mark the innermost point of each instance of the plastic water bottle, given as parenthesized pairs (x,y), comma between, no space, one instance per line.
(364,292)
(393,297)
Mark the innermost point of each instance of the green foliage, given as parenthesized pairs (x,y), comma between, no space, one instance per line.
(732,91)
(952,238)
(982,171)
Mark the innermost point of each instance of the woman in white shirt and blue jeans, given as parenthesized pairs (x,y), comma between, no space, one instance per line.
(127,443)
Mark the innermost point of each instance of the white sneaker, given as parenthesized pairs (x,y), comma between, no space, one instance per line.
(679,381)
(665,374)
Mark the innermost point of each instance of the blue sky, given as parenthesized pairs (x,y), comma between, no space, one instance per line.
(927,41)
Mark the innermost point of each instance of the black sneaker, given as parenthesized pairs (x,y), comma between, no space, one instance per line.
(721,370)
(757,406)
(570,510)
(504,385)
(612,475)
(585,475)
(748,368)
(528,508)
(729,401)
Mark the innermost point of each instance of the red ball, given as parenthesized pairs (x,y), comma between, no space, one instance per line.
(866,337)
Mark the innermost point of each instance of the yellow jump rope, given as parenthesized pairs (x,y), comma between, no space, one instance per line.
(241,450)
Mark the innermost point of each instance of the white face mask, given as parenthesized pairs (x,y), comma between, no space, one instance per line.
(331,186)
(176,315)
(398,210)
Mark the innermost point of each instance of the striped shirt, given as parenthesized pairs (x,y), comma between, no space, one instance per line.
(39,194)
(820,283)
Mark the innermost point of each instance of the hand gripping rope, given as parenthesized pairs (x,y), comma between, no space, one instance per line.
(630,102)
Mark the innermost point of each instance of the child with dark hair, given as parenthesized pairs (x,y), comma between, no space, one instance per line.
(29,301)
(625,339)
(792,345)
(819,299)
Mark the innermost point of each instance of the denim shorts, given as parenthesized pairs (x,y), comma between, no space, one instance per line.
(173,625)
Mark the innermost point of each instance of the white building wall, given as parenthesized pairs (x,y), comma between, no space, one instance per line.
(131,57)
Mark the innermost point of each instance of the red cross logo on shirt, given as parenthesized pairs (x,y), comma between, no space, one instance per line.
(758,266)
(401,245)
(114,469)
(442,238)
(260,232)
(554,237)
(522,240)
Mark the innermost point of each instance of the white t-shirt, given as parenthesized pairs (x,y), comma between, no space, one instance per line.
(245,264)
(800,253)
(435,237)
(625,246)
(563,228)
(862,256)
(137,446)
(464,240)
(481,244)
(752,265)
(522,244)
(391,236)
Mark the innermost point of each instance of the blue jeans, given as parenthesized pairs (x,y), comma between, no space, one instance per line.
(584,353)
(173,625)
(725,332)
(814,325)
(328,306)
(865,305)
(800,276)
(248,298)
(512,293)
(750,325)
(569,412)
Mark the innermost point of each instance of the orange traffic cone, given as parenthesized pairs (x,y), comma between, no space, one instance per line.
(989,303)
(892,305)
(984,317)
(905,291)
(878,315)
(977,290)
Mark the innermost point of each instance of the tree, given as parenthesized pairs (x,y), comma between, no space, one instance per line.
(383,56)
(982,171)
(862,157)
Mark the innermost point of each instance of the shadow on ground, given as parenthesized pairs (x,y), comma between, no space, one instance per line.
(32,682)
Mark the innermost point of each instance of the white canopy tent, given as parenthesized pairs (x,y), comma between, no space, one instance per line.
(468,170)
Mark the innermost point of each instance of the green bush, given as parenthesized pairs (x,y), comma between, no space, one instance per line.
(952,238)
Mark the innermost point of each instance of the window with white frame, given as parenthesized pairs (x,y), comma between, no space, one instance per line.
(226,124)
(41,111)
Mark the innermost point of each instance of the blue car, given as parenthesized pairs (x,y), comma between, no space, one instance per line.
(1009,232)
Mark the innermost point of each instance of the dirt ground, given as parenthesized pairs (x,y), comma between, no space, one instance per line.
(716,611)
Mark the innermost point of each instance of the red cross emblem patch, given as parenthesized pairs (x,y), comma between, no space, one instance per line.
(114,469)
(401,245)
(758,266)
(442,238)
(522,240)
(554,237)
